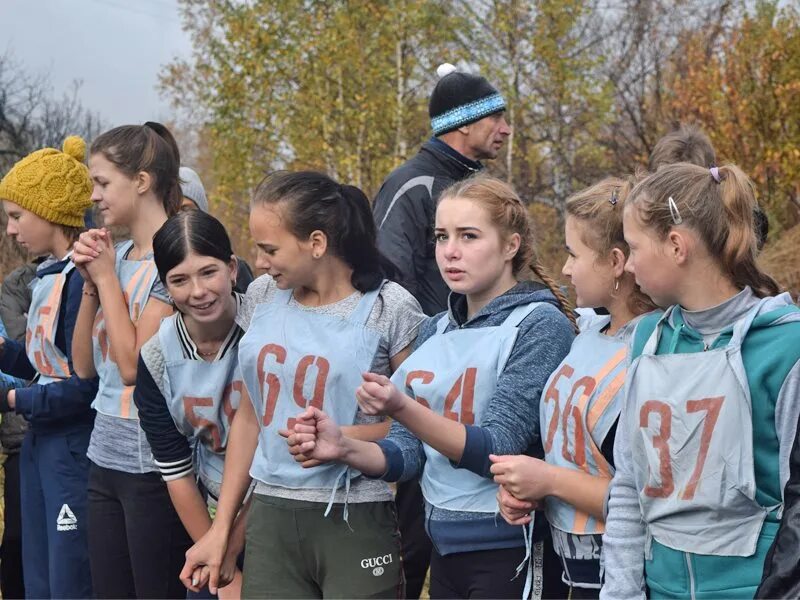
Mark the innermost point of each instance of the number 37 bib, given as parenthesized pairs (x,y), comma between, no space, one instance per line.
(690,425)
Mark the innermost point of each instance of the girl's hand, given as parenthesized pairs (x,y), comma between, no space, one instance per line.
(316,439)
(514,511)
(379,396)
(525,477)
(204,563)
(232,591)
(103,265)
(85,250)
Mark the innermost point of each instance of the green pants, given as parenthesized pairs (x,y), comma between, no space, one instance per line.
(294,551)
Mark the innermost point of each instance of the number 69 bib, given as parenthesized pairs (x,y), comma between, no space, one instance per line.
(690,426)
(293,358)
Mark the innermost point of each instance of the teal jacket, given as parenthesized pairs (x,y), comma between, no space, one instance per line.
(771,356)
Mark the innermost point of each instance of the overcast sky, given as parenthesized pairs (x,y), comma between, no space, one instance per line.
(116,47)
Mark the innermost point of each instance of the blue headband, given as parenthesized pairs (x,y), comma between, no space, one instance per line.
(467,113)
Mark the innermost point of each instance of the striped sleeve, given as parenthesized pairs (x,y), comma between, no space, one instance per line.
(172,452)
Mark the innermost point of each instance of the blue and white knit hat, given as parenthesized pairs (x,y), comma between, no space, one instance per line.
(460,99)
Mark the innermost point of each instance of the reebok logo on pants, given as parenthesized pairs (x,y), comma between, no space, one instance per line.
(66,520)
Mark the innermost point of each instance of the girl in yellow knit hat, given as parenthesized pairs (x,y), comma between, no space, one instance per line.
(45,196)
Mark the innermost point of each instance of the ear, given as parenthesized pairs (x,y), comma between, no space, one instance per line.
(617,259)
(319,243)
(678,245)
(464,129)
(233,265)
(512,246)
(143,182)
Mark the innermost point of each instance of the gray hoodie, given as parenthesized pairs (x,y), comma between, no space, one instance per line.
(511,423)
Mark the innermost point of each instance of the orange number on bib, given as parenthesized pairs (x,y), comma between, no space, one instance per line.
(211,431)
(661,444)
(465,388)
(425,377)
(574,412)
(270,379)
(551,395)
(273,383)
(237,387)
(712,407)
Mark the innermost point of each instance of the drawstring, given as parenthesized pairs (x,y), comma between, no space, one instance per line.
(346,474)
(532,563)
(676,334)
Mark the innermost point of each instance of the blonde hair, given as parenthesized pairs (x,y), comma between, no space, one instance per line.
(721,214)
(599,208)
(510,215)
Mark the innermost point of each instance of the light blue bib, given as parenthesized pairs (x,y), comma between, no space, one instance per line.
(136,278)
(455,374)
(40,333)
(292,358)
(202,399)
(580,405)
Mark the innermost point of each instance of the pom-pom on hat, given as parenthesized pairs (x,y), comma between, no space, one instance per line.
(53,185)
(192,188)
(460,99)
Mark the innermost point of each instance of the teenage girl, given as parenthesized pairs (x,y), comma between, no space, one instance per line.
(321,316)
(188,384)
(136,539)
(710,407)
(583,397)
(44,196)
(470,389)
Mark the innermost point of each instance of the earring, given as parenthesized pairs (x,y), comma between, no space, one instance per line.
(616,285)
(316,256)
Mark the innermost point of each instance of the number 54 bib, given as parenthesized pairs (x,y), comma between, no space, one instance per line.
(690,425)
(455,374)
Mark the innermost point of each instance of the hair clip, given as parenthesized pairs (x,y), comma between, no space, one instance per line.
(673,211)
(715,174)
(614,197)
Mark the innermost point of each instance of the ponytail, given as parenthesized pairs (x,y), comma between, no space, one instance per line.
(541,272)
(313,201)
(150,148)
(719,205)
(737,193)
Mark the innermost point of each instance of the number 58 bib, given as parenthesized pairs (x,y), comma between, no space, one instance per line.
(690,425)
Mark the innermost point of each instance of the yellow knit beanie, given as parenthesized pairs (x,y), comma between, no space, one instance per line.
(54,185)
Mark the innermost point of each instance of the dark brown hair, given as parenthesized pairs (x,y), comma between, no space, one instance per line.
(686,144)
(149,148)
(313,201)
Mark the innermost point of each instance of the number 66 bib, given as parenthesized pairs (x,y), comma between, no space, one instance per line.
(690,426)
(293,358)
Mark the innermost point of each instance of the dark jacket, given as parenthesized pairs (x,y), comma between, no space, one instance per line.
(781,578)
(404,210)
(15,298)
(62,405)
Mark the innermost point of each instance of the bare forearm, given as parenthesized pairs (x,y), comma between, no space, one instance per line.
(190,506)
(242,444)
(367,432)
(585,492)
(367,457)
(82,352)
(119,328)
(444,435)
